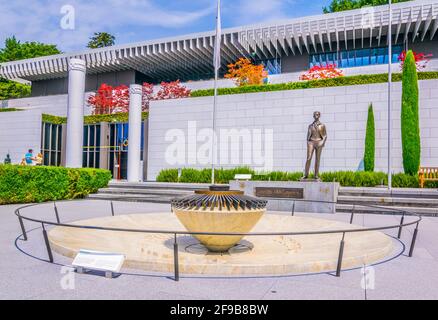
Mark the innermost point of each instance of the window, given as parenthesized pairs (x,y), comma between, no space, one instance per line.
(118,149)
(91,153)
(51,140)
(273,66)
(355,58)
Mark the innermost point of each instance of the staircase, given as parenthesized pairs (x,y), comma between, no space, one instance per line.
(146,191)
(421,201)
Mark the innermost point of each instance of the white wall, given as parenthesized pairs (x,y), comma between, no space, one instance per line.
(55,105)
(19,131)
(288,113)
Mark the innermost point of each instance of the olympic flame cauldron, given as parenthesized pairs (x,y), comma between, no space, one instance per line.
(219,210)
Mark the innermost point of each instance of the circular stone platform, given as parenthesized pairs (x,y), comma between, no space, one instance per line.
(256,255)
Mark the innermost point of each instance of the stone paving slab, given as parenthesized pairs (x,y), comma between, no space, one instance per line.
(24,277)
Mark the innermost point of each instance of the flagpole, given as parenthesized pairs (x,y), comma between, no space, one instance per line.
(389,97)
(216,71)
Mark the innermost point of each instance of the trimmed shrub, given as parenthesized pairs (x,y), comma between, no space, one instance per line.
(370,141)
(345,178)
(168,175)
(410,126)
(9,109)
(32,184)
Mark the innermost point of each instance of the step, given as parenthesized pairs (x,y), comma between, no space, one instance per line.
(159,185)
(130,197)
(433,212)
(389,201)
(384,192)
(164,192)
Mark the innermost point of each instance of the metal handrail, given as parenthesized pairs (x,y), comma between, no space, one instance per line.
(182,232)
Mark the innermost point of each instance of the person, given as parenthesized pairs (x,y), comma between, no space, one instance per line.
(39,159)
(29,158)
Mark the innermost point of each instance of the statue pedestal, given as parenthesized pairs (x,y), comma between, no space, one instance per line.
(281,194)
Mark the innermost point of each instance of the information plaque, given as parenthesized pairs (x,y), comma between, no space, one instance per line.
(101,261)
(275,192)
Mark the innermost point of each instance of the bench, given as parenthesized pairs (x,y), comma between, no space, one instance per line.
(427,174)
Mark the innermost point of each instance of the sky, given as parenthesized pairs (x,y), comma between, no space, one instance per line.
(70,23)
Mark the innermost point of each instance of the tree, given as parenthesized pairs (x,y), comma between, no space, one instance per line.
(243,72)
(101,40)
(343,5)
(12,90)
(109,99)
(410,126)
(15,50)
(421,59)
(172,90)
(326,72)
(370,141)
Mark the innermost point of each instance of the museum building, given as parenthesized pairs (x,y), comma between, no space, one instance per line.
(356,41)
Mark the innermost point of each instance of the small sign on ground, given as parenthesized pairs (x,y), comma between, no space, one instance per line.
(101,261)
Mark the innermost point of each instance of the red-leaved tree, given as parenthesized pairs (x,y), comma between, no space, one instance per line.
(172,90)
(322,72)
(147,95)
(421,59)
(108,99)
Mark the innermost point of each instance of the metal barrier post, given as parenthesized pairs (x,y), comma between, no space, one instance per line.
(46,240)
(352,214)
(293,209)
(56,212)
(175,257)
(401,226)
(23,230)
(414,238)
(112,209)
(341,254)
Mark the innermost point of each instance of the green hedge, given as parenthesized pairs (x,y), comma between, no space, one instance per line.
(32,184)
(93,119)
(345,178)
(9,109)
(335,82)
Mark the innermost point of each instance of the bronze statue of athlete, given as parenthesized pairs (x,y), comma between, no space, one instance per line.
(316,138)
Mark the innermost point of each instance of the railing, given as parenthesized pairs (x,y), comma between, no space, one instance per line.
(427,174)
(415,221)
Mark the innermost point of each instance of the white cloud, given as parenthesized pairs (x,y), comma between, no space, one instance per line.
(38,20)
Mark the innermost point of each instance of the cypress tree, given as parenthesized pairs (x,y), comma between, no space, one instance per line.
(370,141)
(410,126)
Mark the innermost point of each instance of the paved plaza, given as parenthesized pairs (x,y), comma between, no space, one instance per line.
(26,275)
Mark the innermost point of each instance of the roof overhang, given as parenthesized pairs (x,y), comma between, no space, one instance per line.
(179,56)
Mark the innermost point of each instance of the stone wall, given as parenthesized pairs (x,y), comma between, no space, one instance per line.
(287,114)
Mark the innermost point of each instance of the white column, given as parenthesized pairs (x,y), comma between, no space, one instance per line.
(75,113)
(134,138)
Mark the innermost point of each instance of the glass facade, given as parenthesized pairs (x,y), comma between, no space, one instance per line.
(355,58)
(51,140)
(118,149)
(273,66)
(91,153)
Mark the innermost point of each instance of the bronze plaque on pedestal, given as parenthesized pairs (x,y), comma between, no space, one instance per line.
(275,192)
